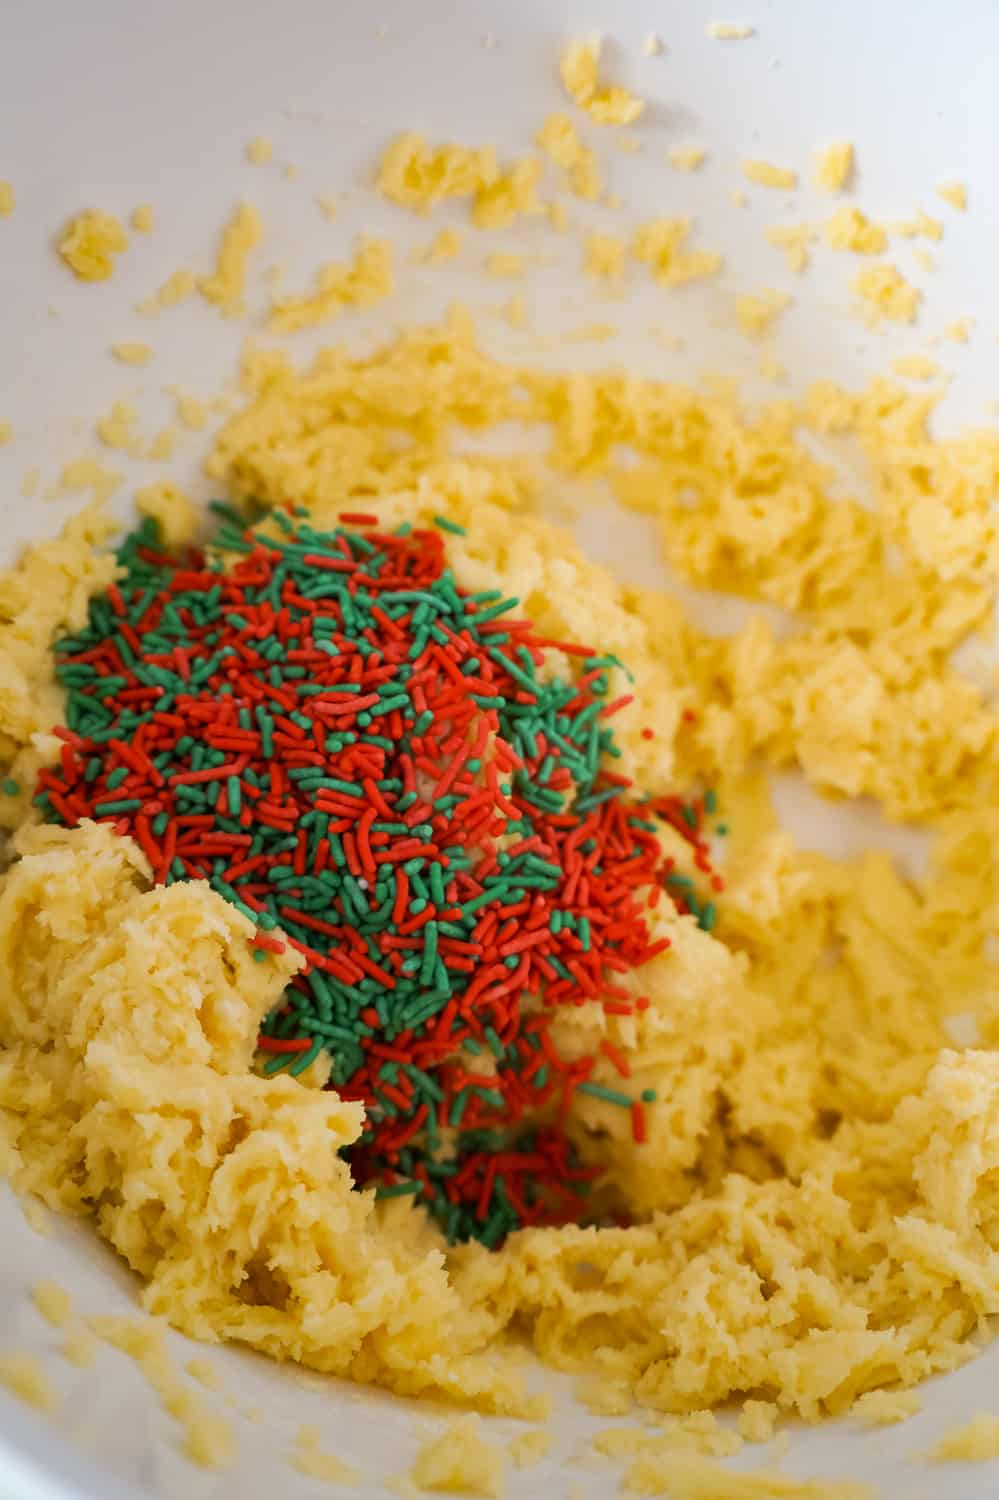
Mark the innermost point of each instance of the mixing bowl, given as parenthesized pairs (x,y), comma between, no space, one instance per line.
(108,105)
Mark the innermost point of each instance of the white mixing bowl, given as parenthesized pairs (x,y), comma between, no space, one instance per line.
(109,104)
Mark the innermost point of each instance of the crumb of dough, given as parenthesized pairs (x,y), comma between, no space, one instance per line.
(140,1338)
(225,286)
(260,151)
(208,1438)
(419,176)
(604,256)
(513,195)
(925,259)
(884,1408)
(178,285)
(311,1460)
(954,193)
(79,1348)
(765,174)
(290,171)
(132,353)
(162,444)
(529,1448)
(143,219)
(6,433)
(885,293)
(90,242)
(192,411)
(630,145)
(29,489)
(558,216)
(794,240)
(53,1302)
(688,1476)
(756,313)
(539,1407)
(363,283)
(117,428)
(770,368)
(606,104)
(921,226)
(653,46)
(205,1373)
(23,1376)
(590,333)
(89,473)
(174,513)
(559,138)
(757,1421)
(329,205)
(502,264)
(460,1462)
(686,158)
(738,197)
(514,312)
(8,199)
(660,245)
(849,229)
(730,31)
(606,1398)
(959,332)
(915,367)
(834,166)
(696,1432)
(976,1442)
(446,245)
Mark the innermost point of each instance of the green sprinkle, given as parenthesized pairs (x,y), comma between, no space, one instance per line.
(601,1091)
(398,1189)
(495,1045)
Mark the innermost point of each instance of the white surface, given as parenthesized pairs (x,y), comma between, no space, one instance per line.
(109,104)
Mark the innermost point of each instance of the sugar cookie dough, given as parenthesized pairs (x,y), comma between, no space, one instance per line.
(809,1216)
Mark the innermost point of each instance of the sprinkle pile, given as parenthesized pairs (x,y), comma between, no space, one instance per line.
(376,768)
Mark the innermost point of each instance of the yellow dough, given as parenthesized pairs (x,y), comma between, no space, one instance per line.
(90,243)
(815,1211)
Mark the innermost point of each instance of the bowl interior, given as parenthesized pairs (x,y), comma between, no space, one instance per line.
(115,107)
